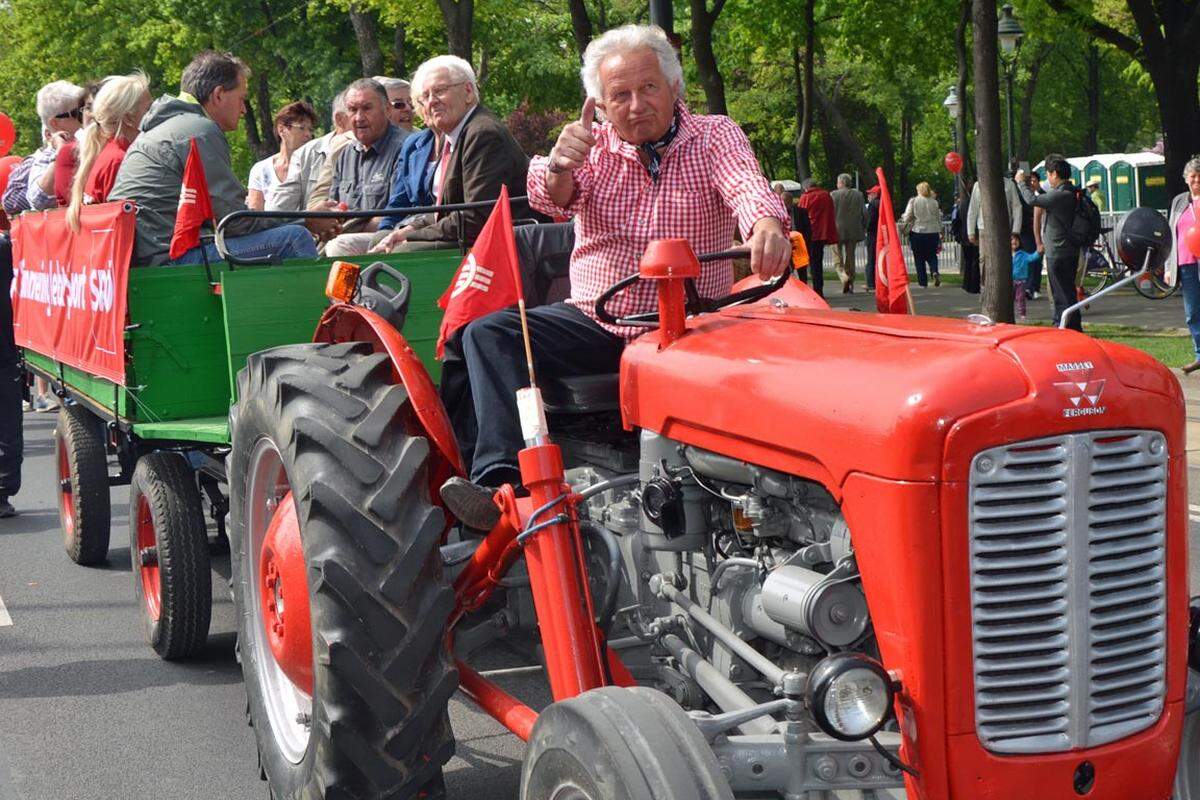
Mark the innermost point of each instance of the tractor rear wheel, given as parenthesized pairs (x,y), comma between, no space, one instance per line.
(83,502)
(620,744)
(168,547)
(342,604)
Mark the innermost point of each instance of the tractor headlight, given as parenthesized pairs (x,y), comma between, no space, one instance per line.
(850,696)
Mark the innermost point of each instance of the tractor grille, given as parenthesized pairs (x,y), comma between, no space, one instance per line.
(1068,589)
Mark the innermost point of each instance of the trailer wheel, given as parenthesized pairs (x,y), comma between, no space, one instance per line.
(168,546)
(619,744)
(1187,772)
(83,503)
(341,600)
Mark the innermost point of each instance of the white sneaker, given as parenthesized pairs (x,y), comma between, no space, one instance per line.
(26,405)
(1034,296)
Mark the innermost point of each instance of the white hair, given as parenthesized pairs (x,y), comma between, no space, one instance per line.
(57,98)
(623,40)
(339,106)
(459,70)
(389,84)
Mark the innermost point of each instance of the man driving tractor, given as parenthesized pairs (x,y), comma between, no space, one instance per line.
(652,170)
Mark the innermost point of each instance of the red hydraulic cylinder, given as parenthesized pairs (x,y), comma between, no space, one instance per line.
(560,592)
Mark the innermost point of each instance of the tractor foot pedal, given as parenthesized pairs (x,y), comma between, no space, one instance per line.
(471,503)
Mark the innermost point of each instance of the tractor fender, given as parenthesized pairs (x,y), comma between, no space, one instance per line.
(350,323)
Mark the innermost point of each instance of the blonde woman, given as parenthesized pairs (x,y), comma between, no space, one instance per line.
(923,221)
(116,113)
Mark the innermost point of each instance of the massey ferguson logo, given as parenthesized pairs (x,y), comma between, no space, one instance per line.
(1080,389)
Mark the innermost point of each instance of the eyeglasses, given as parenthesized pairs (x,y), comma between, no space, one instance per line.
(438,92)
(295,127)
(399,104)
(77,113)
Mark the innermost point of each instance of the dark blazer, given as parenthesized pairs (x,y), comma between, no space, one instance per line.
(411,181)
(486,158)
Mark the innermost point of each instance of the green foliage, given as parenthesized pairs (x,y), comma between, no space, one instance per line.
(887,65)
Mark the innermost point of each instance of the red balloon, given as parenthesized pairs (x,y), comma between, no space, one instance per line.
(1191,237)
(8,134)
(953,162)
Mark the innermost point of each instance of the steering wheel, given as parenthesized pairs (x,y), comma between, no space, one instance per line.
(695,303)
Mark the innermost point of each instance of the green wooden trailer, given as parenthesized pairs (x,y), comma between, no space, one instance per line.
(166,431)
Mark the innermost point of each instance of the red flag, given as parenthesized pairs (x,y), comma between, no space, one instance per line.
(488,279)
(195,205)
(891,275)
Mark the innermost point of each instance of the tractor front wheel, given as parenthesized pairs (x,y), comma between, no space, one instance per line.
(620,744)
(337,575)
(83,503)
(168,546)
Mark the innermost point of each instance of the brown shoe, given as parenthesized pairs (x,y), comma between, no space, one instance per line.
(1192,367)
(846,287)
(937,280)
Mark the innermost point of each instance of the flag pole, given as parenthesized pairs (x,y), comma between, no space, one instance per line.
(525,336)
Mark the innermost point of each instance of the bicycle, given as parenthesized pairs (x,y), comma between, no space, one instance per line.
(1103,268)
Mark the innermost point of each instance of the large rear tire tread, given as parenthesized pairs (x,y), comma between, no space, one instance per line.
(621,744)
(169,486)
(380,604)
(87,543)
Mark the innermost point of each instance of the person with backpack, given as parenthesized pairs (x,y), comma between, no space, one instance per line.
(1071,222)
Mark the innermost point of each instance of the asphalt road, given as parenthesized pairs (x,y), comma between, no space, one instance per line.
(88,712)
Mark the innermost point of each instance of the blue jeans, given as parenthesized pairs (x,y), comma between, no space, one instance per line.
(1189,285)
(284,242)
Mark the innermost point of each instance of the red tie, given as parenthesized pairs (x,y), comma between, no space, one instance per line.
(443,168)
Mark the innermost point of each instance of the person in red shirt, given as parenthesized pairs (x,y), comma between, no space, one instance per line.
(117,111)
(823,219)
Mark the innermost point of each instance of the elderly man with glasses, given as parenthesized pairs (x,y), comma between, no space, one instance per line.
(473,156)
(60,106)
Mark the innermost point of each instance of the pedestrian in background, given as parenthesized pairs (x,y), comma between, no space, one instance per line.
(851,208)
(1185,214)
(12,444)
(872,234)
(922,219)
(818,204)
(1062,257)
(1022,262)
(968,265)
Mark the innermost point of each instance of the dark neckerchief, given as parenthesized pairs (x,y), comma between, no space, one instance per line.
(654,159)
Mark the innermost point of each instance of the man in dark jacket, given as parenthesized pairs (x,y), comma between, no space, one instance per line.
(475,155)
(12,444)
(211,101)
(1062,257)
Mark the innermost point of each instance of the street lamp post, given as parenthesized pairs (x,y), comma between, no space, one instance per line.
(952,106)
(1010,33)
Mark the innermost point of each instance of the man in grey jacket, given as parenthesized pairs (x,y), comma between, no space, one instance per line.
(976,222)
(851,214)
(211,101)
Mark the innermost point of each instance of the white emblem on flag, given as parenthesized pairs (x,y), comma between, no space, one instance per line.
(187,196)
(472,276)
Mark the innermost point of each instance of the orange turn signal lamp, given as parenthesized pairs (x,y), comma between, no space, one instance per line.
(342,282)
(799,251)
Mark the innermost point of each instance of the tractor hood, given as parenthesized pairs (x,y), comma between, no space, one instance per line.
(821,393)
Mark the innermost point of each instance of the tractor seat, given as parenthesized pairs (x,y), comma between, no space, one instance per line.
(582,394)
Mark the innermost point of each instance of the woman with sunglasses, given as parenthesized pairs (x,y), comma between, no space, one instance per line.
(294,126)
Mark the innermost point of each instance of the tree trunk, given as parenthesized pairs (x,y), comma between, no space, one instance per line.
(253,139)
(844,134)
(883,135)
(1091,55)
(994,248)
(366,32)
(398,44)
(268,144)
(581,25)
(703,22)
(906,153)
(965,106)
(804,92)
(459,17)
(1025,128)
(1179,110)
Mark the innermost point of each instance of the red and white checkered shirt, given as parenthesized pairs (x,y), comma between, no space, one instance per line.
(708,180)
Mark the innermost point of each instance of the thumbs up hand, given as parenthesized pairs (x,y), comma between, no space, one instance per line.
(575,142)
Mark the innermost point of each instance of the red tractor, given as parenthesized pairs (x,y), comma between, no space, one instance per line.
(787,552)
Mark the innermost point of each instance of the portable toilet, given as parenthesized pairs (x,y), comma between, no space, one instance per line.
(1150,181)
(1098,167)
(1123,180)
(1077,165)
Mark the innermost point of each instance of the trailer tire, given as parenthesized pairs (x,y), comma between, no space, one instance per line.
(83,502)
(619,743)
(175,592)
(325,424)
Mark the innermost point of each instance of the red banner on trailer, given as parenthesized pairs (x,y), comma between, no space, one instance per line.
(68,288)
